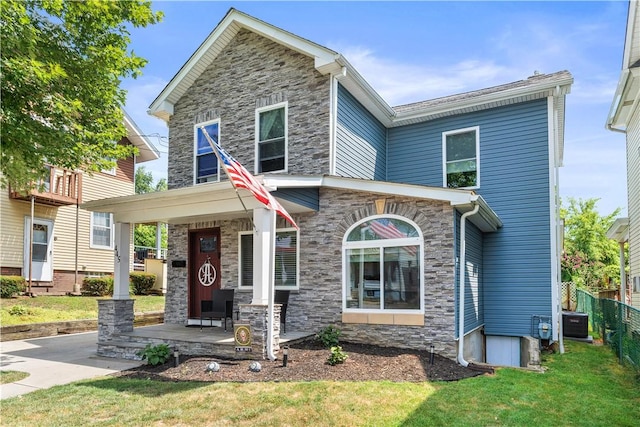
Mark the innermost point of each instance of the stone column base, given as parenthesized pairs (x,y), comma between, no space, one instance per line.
(114,317)
(256,316)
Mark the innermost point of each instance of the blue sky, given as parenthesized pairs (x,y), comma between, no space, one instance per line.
(414,51)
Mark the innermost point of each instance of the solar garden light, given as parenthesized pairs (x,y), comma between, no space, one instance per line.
(431,354)
(176,357)
(285,355)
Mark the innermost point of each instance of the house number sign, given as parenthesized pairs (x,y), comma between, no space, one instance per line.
(207,273)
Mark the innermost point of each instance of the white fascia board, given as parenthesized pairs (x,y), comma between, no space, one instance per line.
(613,119)
(544,88)
(148,151)
(619,230)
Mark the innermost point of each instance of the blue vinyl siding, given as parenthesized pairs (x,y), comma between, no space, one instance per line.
(474,296)
(514,180)
(308,197)
(360,140)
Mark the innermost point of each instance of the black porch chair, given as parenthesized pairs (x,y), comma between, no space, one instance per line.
(220,307)
(282,297)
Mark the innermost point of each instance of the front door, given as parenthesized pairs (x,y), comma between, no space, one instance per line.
(204,267)
(40,251)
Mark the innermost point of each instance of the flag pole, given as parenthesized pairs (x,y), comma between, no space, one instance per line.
(224,167)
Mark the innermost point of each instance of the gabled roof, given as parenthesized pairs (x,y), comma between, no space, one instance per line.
(328,61)
(629,82)
(147,151)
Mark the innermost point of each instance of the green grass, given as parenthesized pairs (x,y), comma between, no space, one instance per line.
(584,386)
(20,311)
(7,377)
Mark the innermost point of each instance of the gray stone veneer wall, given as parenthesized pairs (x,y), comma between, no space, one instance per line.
(249,73)
(318,303)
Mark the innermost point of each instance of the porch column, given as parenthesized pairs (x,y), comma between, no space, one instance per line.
(159,226)
(263,247)
(122,260)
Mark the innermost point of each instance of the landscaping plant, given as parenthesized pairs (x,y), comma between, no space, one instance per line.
(329,336)
(10,286)
(337,356)
(155,354)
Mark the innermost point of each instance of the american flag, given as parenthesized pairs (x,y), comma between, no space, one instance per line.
(386,229)
(241,178)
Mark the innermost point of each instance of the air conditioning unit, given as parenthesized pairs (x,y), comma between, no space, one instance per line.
(636,284)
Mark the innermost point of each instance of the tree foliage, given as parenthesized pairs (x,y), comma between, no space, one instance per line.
(61,67)
(590,258)
(145,234)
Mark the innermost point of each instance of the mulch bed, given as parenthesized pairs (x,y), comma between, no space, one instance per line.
(307,361)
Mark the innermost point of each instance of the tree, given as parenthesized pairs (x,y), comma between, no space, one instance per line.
(145,234)
(590,258)
(144,182)
(61,67)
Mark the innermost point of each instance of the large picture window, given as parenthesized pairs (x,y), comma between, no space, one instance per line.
(383,265)
(271,135)
(205,161)
(101,230)
(461,158)
(285,262)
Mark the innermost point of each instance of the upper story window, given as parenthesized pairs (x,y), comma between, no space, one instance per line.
(286,259)
(382,265)
(271,139)
(205,162)
(101,230)
(461,158)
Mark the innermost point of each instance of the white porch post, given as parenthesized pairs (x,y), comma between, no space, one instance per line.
(263,242)
(122,260)
(159,226)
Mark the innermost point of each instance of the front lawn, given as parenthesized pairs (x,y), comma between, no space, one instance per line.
(24,310)
(585,386)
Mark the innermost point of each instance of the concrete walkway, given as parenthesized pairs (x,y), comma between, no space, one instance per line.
(55,360)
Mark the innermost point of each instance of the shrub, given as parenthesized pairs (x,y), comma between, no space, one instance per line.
(141,283)
(20,310)
(11,286)
(329,336)
(155,354)
(97,286)
(337,356)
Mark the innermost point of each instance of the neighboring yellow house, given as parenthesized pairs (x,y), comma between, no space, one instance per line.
(69,242)
(624,117)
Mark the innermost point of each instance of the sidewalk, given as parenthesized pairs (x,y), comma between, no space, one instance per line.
(55,360)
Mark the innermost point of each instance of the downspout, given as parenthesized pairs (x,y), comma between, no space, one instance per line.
(461,276)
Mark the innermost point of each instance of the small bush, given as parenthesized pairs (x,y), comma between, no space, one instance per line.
(97,286)
(155,354)
(10,286)
(20,310)
(141,283)
(337,356)
(329,336)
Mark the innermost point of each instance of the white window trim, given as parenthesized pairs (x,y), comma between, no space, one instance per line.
(196,127)
(248,288)
(410,241)
(111,238)
(444,155)
(286,137)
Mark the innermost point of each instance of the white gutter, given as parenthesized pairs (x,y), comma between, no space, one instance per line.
(461,274)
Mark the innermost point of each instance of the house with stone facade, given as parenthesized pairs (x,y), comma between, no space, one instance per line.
(433,223)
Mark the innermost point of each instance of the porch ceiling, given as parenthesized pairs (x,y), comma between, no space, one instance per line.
(202,202)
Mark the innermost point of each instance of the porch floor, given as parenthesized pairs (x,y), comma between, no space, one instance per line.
(188,340)
(208,334)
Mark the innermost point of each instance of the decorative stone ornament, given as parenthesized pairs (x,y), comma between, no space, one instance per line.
(255,367)
(213,367)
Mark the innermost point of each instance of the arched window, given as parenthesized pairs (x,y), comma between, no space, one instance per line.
(382,265)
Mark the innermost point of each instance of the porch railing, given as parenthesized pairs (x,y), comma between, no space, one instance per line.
(61,187)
